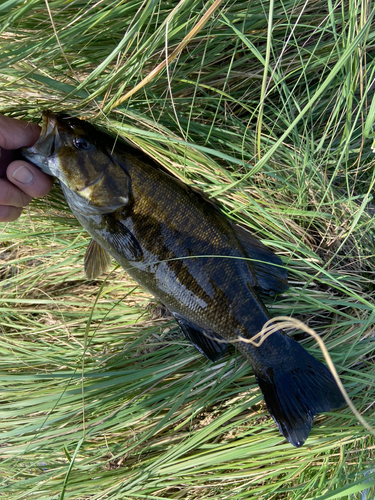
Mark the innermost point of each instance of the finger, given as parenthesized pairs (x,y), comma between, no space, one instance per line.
(29,179)
(6,157)
(9,214)
(12,196)
(16,134)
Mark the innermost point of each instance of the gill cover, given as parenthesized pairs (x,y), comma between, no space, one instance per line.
(72,150)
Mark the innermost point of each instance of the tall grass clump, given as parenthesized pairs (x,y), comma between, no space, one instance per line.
(268,107)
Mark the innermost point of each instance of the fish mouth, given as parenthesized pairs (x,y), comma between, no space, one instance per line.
(48,125)
(45,145)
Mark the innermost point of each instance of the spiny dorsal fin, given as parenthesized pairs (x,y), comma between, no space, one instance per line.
(212,345)
(96,261)
(268,268)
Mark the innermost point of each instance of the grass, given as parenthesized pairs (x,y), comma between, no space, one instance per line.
(269,109)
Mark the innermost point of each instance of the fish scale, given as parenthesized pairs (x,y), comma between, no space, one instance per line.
(180,247)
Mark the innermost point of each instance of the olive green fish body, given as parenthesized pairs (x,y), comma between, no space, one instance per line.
(181,248)
(192,260)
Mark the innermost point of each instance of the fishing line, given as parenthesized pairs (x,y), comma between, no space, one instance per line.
(285,322)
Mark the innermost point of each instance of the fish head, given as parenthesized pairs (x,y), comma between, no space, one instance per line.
(79,155)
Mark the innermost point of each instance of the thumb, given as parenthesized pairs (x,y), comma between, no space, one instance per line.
(29,179)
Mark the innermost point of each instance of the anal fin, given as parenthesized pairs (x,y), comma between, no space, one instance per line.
(212,345)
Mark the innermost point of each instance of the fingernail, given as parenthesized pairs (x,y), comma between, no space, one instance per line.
(23,175)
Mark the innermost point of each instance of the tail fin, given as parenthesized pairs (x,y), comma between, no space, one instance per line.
(296,389)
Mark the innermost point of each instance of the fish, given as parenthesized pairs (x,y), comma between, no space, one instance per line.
(177,244)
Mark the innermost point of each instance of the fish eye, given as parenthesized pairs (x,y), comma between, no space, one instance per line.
(82,143)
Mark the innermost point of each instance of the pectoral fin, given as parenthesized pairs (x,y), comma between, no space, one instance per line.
(122,240)
(208,343)
(97,260)
(271,276)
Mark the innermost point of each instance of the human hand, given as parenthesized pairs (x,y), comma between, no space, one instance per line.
(19,180)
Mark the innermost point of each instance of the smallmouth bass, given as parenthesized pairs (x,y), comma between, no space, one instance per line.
(178,245)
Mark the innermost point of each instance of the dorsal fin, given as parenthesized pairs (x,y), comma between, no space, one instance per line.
(271,276)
